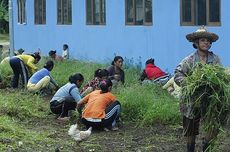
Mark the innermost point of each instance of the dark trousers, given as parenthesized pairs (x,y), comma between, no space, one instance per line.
(112,114)
(62,107)
(19,69)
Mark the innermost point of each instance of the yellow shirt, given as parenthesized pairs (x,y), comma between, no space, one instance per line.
(28,61)
(97,102)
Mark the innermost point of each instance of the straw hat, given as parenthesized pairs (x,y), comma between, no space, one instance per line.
(202,33)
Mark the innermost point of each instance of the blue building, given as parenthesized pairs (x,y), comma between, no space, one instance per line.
(96,30)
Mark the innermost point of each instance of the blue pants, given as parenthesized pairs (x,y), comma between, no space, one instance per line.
(19,69)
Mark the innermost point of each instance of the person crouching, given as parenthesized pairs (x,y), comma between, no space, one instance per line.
(102,110)
(42,78)
(66,98)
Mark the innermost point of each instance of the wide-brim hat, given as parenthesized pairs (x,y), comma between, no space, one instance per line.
(202,33)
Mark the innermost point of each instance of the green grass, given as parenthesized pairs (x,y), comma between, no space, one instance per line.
(20,110)
(4,37)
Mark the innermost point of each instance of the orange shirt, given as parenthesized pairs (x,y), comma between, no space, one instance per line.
(96,104)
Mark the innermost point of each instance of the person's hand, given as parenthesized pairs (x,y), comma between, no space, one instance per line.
(117,77)
(56,88)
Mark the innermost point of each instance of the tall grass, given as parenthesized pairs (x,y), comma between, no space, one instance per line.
(5,75)
(4,37)
(144,104)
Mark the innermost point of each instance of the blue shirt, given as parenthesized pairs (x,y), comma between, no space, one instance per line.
(37,76)
(68,90)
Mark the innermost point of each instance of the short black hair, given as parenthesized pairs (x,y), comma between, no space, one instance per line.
(101,73)
(116,58)
(66,46)
(49,65)
(149,61)
(52,52)
(36,56)
(76,77)
(105,84)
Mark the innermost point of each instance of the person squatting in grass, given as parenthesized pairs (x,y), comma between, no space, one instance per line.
(116,74)
(99,75)
(54,56)
(202,41)
(41,79)
(102,110)
(19,65)
(66,98)
(153,74)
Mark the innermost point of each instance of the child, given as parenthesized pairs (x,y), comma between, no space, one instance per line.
(101,110)
(41,78)
(66,98)
(65,53)
(99,75)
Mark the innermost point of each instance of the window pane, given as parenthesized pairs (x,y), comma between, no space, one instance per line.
(139,12)
(40,11)
(214,10)
(96,11)
(103,11)
(148,11)
(186,11)
(89,11)
(130,10)
(59,11)
(201,12)
(69,18)
(65,11)
(44,12)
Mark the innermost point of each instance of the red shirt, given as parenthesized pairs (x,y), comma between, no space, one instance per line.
(153,72)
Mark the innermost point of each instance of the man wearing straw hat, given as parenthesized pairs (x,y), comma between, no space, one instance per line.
(202,41)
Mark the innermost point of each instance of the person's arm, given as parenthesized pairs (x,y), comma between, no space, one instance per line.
(75,94)
(122,77)
(111,71)
(30,64)
(217,60)
(169,83)
(53,81)
(182,71)
(83,100)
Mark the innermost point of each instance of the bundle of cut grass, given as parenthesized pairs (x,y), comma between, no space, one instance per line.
(207,89)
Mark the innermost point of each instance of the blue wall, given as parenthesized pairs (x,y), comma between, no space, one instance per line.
(165,40)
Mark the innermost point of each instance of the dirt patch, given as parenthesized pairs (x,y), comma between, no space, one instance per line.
(157,138)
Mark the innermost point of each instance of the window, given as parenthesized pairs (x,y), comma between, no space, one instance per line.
(138,12)
(21,11)
(40,11)
(95,12)
(64,12)
(200,12)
